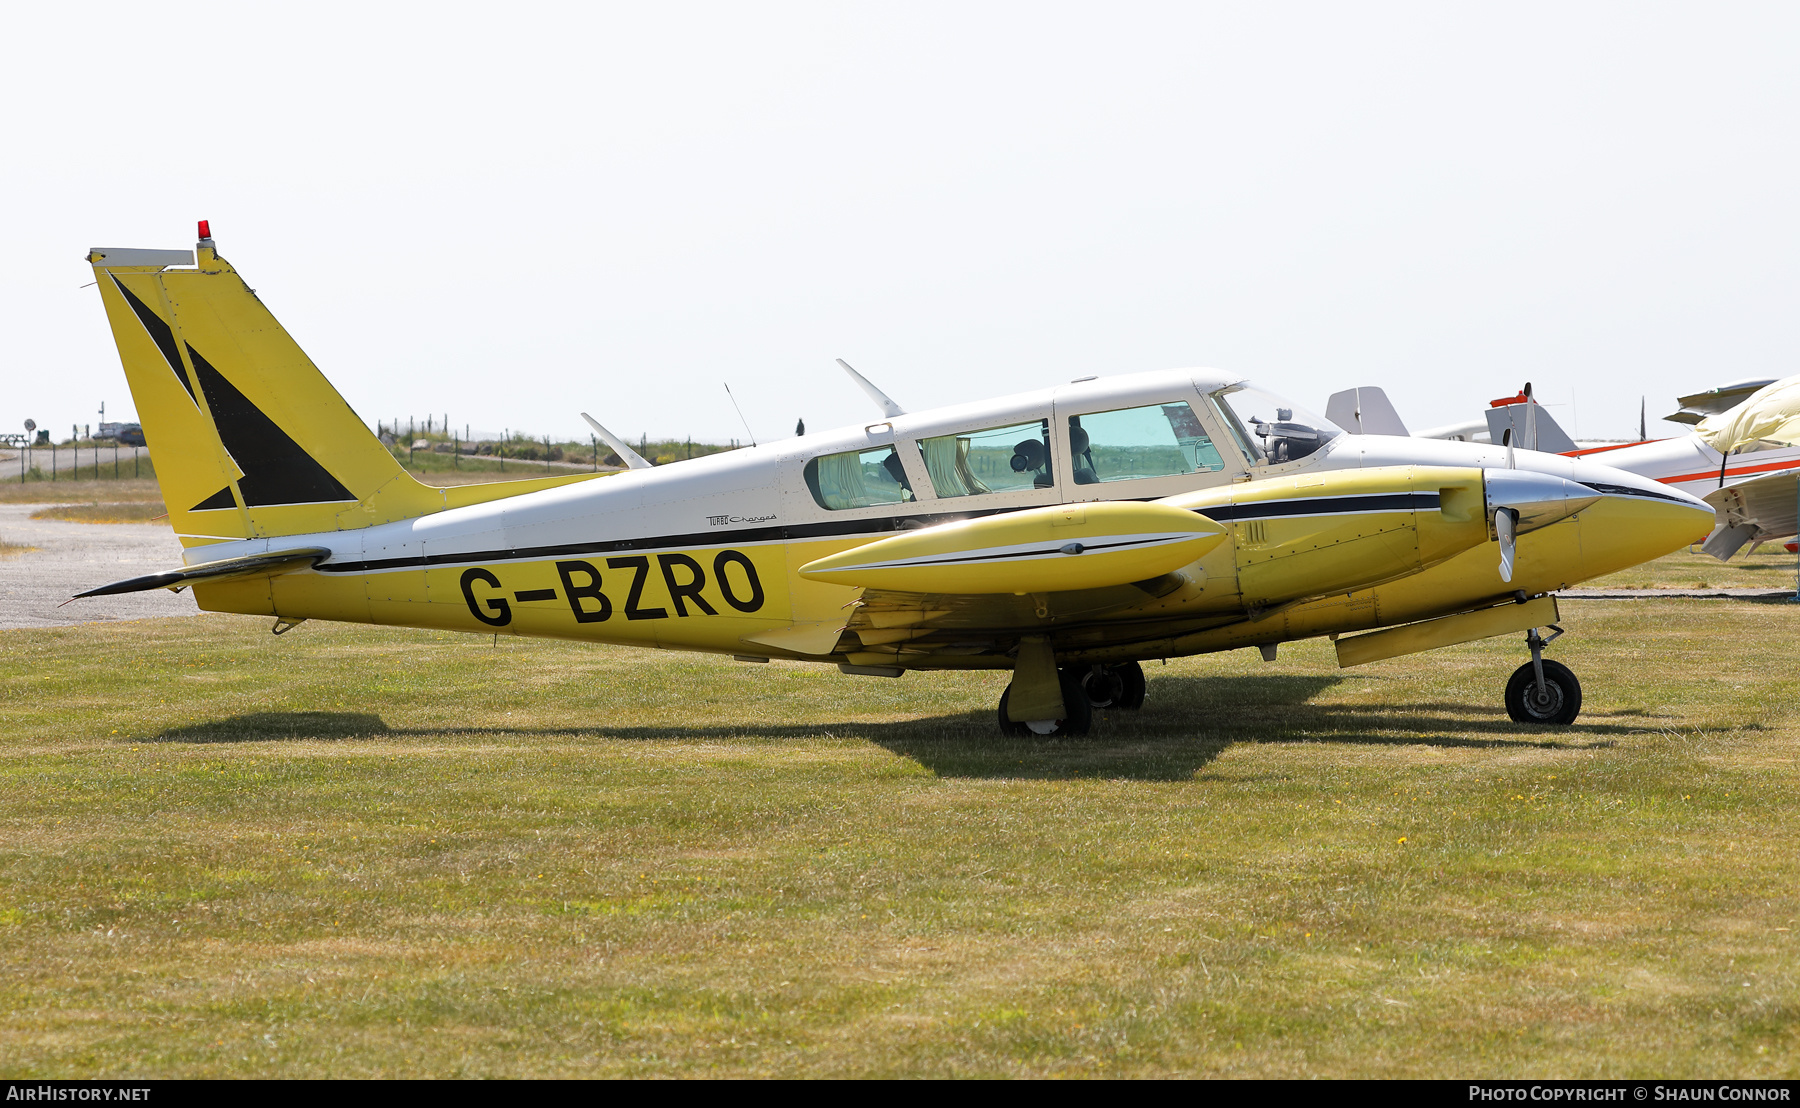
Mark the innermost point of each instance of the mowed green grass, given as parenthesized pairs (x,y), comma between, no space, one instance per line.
(350,851)
(1771,567)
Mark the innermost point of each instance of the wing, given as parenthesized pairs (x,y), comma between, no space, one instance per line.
(977,586)
(1758,509)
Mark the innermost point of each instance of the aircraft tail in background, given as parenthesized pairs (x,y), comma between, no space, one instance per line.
(1365,411)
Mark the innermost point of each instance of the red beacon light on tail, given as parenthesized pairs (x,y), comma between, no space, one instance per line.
(206,230)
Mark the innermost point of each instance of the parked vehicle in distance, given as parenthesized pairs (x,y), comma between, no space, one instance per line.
(125,434)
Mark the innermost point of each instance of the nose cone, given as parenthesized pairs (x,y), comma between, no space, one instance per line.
(1539,499)
(1634,520)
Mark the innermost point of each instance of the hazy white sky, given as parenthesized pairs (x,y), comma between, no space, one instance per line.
(514,212)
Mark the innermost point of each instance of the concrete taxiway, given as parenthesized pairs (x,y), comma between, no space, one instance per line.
(71,557)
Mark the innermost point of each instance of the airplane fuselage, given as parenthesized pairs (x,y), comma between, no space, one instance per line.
(707,554)
(1687,463)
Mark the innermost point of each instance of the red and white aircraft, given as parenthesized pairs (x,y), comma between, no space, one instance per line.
(1744,461)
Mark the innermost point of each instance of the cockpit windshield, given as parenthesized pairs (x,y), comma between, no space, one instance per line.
(1272,429)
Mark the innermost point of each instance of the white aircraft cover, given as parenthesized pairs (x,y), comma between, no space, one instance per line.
(1770,415)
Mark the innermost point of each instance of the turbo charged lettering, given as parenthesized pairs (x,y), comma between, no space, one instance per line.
(679,592)
(579,594)
(754,585)
(641,572)
(497,605)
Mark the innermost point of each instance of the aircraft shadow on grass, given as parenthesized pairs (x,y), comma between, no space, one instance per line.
(278,727)
(1189,721)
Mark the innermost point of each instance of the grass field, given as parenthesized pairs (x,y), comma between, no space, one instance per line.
(131,511)
(355,852)
(453,469)
(81,492)
(1769,568)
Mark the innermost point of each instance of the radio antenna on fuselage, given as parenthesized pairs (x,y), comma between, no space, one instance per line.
(631,458)
(881,399)
(740,413)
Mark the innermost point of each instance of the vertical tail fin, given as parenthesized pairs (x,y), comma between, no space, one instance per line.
(249,438)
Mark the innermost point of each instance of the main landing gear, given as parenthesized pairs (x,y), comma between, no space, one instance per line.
(1117,686)
(1083,689)
(1542,691)
(1076,714)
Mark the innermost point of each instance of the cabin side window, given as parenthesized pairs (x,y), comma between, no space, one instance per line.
(994,459)
(1158,440)
(858,479)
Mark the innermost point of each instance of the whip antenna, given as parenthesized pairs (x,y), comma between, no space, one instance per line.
(740,413)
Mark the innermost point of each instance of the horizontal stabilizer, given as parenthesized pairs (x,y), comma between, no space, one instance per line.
(254,565)
(1711,402)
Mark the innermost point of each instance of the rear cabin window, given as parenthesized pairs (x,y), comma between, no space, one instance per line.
(1155,441)
(996,459)
(858,479)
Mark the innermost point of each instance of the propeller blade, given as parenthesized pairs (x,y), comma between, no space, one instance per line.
(1505,526)
(1506,439)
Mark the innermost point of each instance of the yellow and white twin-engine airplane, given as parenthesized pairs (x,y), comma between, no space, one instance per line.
(1064,535)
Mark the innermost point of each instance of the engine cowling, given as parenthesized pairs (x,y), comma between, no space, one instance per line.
(1314,534)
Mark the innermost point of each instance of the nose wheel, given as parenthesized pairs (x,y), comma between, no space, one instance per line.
(1542,691)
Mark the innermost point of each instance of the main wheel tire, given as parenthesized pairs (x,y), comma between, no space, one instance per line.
(1080,714)
(1133,676)
(1559,702)
(1108,687)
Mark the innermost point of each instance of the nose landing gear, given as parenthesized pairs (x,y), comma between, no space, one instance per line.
(1542,691)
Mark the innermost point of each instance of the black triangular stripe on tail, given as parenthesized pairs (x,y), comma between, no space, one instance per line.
(160,334)
(277,470)
(220,499)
